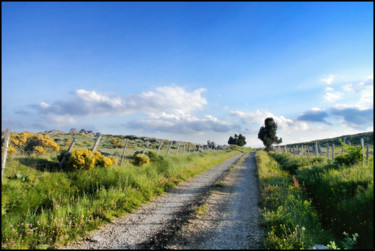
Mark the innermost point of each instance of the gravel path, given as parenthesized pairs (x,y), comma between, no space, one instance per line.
(229,218)
(153,225)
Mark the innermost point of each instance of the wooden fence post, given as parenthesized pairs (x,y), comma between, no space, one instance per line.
(178,145)
(363,151)
(342,149)
(123,153)
(169,148)
(189,148)
(161,143)
(5,151)
(184,147)
(327,150)
(68,151)
(148,142)
(333,151)
(96,143)
(367,154)
(316,148)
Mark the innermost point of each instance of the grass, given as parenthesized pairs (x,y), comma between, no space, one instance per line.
(288,217)
(43,207)
(202,209)
(341,195)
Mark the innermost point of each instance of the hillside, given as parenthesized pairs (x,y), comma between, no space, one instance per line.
(354,139)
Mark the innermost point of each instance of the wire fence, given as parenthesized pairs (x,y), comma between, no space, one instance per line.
(125,151)
(330,150)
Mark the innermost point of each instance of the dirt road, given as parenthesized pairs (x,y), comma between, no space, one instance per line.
(170,221)
(229,217)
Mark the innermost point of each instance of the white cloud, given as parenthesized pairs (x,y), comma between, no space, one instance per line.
(332,96)
(259,117)
(61,119)
(173,100)
(168,109)
(44,105)
(328,80)
(182,124)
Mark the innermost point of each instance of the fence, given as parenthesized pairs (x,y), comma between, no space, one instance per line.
(326,149)
(174,147)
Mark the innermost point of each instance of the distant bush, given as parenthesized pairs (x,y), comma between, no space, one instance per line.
(153,156)
(351,156)
(141,159)
(40,144)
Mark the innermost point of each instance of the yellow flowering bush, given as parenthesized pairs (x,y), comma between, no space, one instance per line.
(40,150)
(11,150)
(18,140)
(141,159)
(81,159)
(85,159)
(40,144)
(104,161)
(28,142)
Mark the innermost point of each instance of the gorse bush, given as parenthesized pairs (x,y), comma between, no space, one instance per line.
(28,143)
(140,159)
(84,159)
(40,144)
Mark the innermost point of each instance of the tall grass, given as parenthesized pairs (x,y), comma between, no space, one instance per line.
(341,194)
(288,217)
(45,207)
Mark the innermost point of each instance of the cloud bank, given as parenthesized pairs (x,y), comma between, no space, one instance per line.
(167,99)
(168,108)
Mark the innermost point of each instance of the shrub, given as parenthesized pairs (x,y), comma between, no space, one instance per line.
(153,156)
(351,156)
(85,159)
(141,159)
(40,144)
(81,159)
(104,161)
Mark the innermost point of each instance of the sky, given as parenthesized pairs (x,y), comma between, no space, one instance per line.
(188,71)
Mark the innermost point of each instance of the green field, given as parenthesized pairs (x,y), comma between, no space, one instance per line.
(44,206)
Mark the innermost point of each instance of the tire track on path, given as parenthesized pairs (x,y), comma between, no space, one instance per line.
(230,217)
(155,223)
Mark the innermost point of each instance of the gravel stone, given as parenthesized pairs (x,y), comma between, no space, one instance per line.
(153,225)
(232,218)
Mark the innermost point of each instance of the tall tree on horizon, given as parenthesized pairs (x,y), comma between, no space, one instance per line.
(267,134)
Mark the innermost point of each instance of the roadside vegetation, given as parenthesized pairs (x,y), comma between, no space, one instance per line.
(44,205)
(308,200)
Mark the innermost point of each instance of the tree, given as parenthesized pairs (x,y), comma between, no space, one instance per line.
(267,134)
(239,140)
(231,141)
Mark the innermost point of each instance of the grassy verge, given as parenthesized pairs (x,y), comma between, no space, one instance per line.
(288,217)
(343,195)
(43,206)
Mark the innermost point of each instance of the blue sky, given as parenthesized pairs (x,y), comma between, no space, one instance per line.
(193,71)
